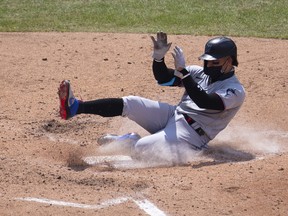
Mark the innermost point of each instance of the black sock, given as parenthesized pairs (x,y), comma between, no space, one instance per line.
(108,107)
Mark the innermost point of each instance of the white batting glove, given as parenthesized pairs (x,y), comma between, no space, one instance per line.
(161,46)
(179,59)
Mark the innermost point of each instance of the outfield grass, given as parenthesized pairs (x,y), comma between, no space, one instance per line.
(257,18)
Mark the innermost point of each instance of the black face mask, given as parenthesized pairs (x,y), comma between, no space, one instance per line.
(213,72)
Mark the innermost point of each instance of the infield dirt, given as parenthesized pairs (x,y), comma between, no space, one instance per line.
(243,173)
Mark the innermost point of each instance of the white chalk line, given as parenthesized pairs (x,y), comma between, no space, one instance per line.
(75,205)
(149,207)
(144,205)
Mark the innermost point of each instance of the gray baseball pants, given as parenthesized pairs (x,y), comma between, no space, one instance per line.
(171,136)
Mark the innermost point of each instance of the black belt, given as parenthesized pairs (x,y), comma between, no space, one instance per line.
(191,121)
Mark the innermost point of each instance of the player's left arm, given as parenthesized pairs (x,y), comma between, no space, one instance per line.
(166,77)
(227,97)
(199,96)
(195,92)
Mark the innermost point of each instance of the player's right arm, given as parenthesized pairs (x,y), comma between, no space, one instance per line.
(164,75)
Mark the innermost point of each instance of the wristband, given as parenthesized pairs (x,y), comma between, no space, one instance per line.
(180,75)
(183,77)
(156,60)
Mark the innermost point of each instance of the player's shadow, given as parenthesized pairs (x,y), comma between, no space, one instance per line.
(224,153)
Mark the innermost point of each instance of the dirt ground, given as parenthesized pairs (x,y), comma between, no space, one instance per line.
(41,156)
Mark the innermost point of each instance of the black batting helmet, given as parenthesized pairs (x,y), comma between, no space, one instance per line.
(220,47)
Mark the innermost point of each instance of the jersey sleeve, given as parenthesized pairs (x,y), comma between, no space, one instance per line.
(232,96)
(194,70)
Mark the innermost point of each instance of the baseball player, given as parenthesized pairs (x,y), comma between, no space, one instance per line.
(212,96)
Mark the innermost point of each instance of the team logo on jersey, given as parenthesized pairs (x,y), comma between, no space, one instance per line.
(228,91)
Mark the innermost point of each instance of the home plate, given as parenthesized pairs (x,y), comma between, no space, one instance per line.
(94,160)
(115,161)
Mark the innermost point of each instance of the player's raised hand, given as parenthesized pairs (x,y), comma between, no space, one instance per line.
(161,46)
(179,59)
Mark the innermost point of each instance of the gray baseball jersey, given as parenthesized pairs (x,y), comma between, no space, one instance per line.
(231,92)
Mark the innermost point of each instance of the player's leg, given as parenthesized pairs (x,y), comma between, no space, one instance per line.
(153,116)
(175,143)
(106,107)
(156,148)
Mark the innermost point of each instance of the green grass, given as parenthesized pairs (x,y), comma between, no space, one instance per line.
(257,18)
